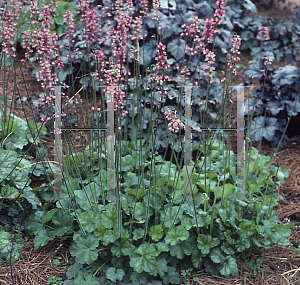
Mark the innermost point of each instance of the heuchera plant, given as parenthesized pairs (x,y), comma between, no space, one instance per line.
(274,109)
(160,229)
(17,169)
(154,223)
(77,59)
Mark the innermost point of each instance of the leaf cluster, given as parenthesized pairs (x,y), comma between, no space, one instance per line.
(283,38)
(160,228)
(276,103)
(17,198)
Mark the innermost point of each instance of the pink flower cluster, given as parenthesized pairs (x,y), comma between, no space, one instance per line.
(96,109)
(144,6)
(8,34)
(175,122)
(92,24)
(191,29)
(161,58)
(161,64)
(184,72)
(210,30)
(263,33)
(112,73)
(236,40)
(45,44)
(210,59)
(100,59)
(114,70)
(156,5)
(210,25)
(267,61)
(68,19)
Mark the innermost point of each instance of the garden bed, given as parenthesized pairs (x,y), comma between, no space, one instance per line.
(279,265)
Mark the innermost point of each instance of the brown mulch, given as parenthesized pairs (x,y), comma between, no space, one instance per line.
(35,267)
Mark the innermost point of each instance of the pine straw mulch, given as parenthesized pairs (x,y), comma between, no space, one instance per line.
(35,267)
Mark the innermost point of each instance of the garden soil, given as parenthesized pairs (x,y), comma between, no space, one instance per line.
(282,262)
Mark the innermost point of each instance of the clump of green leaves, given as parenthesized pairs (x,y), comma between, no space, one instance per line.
(17,198)
(187,275)
(257,266)
(151,227)
(54,280)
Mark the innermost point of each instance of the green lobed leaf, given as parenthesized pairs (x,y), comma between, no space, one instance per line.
(242,244)
(144,258)
(156,232)
(85,279)
(114,274)
(216,255)
(84,248)
(227,249)
(281,174)
(176,234)
(161,267)
(122,246)
(88,197)
(139,233)
(170,216)
(73,270)
(11,245)
(43,237)
(161,247)
(34,223)
(229,267)
(140,212)
(110,236)
(88,220)
(171,277)
(48,216)
(15,142)
(7,158)
(109,218)
(31,197)
(205,243)
(62,223)
(139,279)
(183,248)
(197,259)
(246,228)
(166,170)
(8,192)
(223,191)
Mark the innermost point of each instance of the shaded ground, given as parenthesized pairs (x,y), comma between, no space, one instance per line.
(282,262)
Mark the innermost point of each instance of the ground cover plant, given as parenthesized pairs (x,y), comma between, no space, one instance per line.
(275,108)
(166,212)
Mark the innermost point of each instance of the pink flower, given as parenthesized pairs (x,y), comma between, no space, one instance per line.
(263,33)
(175,122)
(8,33)
(236,40)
